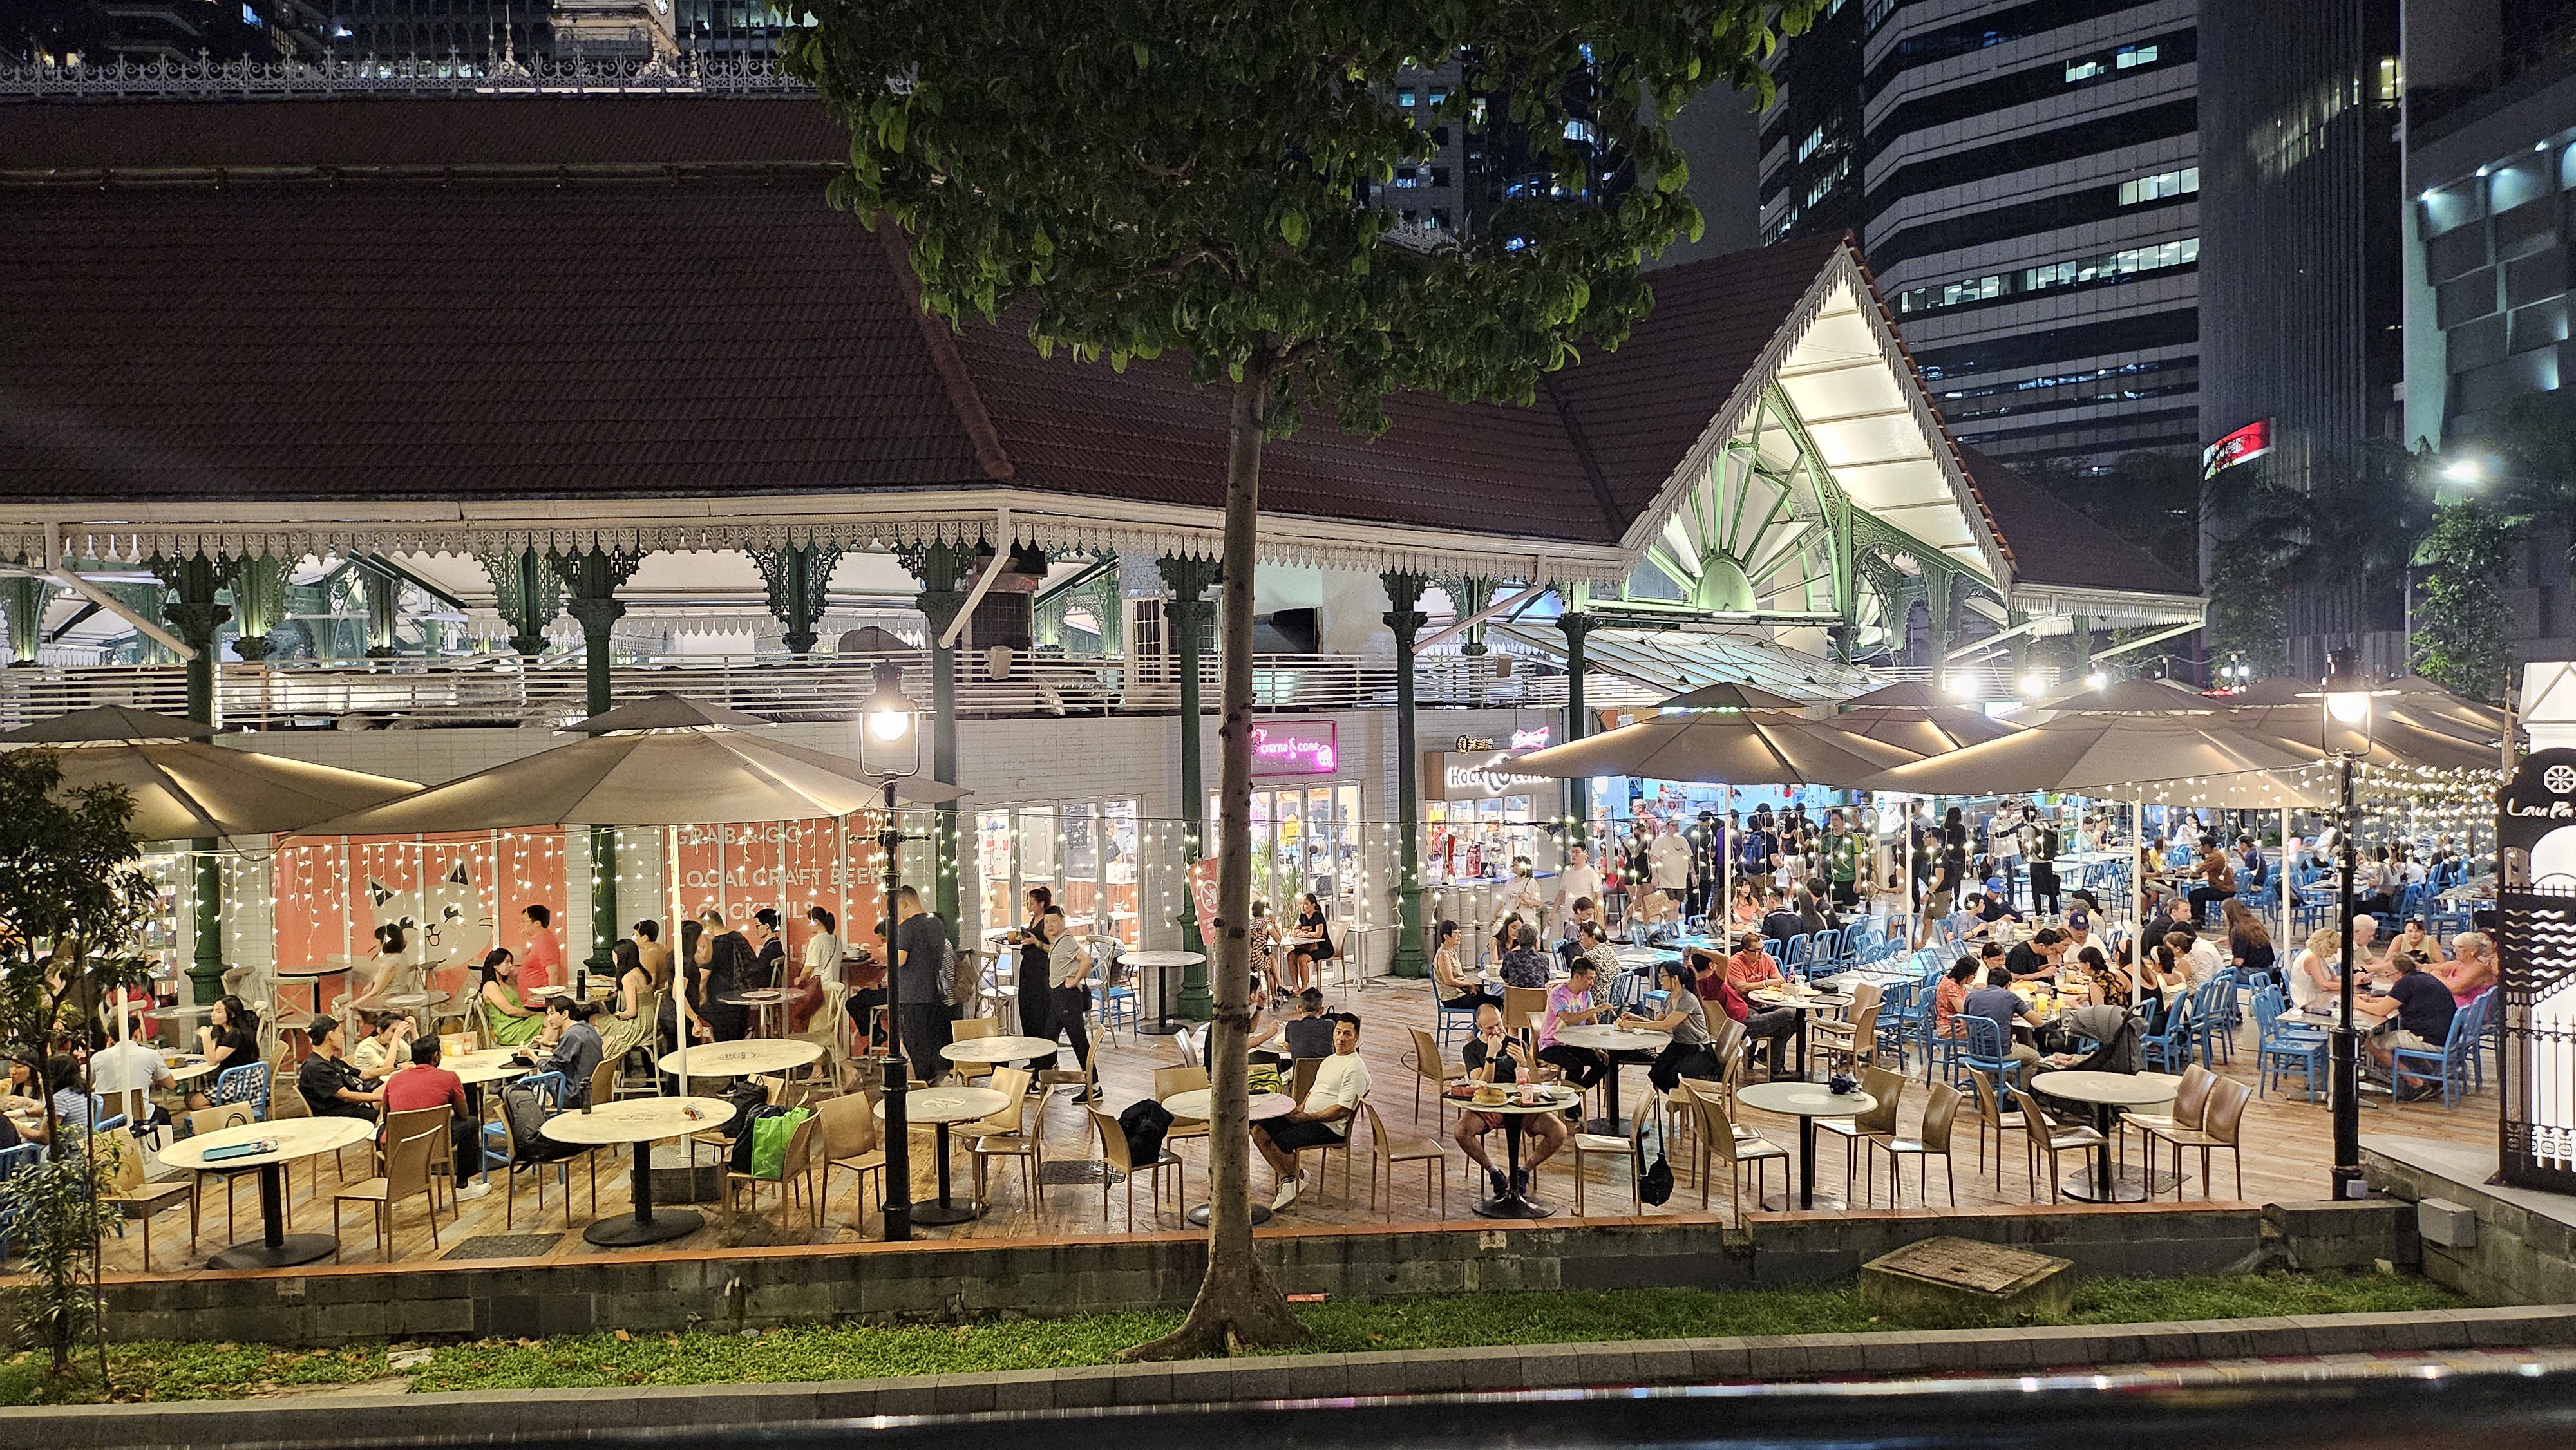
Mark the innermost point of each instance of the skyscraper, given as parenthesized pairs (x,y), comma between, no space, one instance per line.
(2029,199)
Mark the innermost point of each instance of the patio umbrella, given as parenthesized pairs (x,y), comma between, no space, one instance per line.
(2396,738)
(1921,730)
(2413,700)
(1730,696)
(2167,758)
(186,788)
(2129,697)
(695,775)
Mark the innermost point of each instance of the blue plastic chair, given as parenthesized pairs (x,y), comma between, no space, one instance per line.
(2213,1016)
(1454,1023)
(1989,1050)
(1117,1002)
(2171,1049)
(247,1085)
(2280,1047)
(2451,1062)
(1797,955)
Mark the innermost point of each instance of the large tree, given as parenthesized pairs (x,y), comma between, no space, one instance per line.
(1133,178)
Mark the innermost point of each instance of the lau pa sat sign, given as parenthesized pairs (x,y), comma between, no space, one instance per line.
(1294,747)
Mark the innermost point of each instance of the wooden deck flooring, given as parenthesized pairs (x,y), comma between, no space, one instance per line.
(2285,1158)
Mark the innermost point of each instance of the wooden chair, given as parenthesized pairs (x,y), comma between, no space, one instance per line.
(1113,1152)
(2222,1126)
(1006,1134)
(229,1115)
(1587,1146)
(1385,1153)
(1429,1066)
(795,1170)
(1524,1008)
(850,1142)
(1940,1112)
(2049,1140)
(128,1189)
(1724,1145)
(1876,1125)
(407,1172)
(1991,1115)
(1855,1038)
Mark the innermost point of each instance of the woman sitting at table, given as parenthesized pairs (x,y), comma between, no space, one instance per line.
(2164,977)
(1691,1053)
(1460,989)
(2472,971)
(508,1021)
(2414,941)
(2249,944)
(1746,907)
(1306,960)
(1951,993)
(821,958)
(2316,973)
(631,1023)
(229,1039)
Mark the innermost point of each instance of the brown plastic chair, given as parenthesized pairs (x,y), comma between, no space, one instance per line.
(850,1142)
(1429,1066)
(1170,1080)
(1587,1146)
(1386,1152)
(2190,1105)
(967,1030)
(127,1187)
(795,1170)
(1524,1008)
(2049,1140)
(1940,1114)
(207,1120)
(1855,1038)
(1991,1114)
(1113,1152)
(1006,1134)
(2221,1127)
(1724,1145)
(1876,1125)
(406,1173)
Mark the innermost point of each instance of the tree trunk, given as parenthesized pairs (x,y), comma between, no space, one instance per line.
(1237,1302)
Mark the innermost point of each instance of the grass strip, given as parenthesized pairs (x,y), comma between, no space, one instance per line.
(190,1371)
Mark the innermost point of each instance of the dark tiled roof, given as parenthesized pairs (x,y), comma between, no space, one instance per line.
(2055,543)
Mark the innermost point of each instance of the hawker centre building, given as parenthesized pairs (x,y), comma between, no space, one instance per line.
(430,423)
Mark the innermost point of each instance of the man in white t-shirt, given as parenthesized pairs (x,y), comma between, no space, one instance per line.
(1668,862)
(123,1066)
(1576,882)
(1323,1119)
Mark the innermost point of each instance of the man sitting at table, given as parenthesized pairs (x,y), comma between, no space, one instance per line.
(127,1065)
(331,1087)
(543,959)
(2038,957)
(576,1047)
(1779,923)
(1495,1056)
(1998,1003)
(425,1084)
(1751,966)
(1774,1026)
(1323,1119)
(1309,1033)
(2415,1014)
(1569,1004)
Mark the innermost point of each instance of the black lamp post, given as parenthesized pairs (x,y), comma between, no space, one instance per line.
(890,749)
(2347,733)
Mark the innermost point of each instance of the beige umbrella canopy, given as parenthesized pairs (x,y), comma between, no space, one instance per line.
(1727,695)
(2171,759)
(698,775)
(2129,697)
(185,788)
(1761,747)
(1913,717)
(2395,738)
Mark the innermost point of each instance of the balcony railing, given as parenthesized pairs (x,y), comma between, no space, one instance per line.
(470,691)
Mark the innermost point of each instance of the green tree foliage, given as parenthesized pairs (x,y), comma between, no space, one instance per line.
(71,899)
(1128,179)
(2461,621)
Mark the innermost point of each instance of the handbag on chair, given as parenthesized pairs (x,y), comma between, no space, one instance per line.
(1654,1180)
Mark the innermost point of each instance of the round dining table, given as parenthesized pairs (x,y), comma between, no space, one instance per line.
(939,1107)
(641,1122)
(1805,1101)
(2109,1094)
(1611,1039)
(1192,1105)
(1515,1110)
(997,1050)
(1806,1004)
(283,1141)
(747,1057)
(1165,962)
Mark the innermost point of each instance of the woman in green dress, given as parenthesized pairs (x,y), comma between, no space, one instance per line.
(638,1009)
(507,1020)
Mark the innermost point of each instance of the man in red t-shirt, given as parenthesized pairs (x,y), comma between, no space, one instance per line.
(425,1084)
(543,959)
(1749,967)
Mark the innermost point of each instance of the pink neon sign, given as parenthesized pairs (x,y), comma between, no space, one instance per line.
(1294,747)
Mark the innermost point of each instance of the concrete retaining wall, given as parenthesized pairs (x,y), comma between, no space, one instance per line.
(2526,1242)
(771,1287)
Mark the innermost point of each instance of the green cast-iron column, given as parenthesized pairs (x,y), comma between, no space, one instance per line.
(1405,619)
(25,600)
(1578,791)
(194,616)
(942,569)
(259,604)
(593,579)
(1185,619)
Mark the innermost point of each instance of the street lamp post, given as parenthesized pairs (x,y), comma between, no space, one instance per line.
(2348,710)
(888,725)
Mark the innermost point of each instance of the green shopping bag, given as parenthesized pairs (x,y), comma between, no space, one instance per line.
(769,1138)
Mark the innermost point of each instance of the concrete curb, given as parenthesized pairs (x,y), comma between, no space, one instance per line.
(329,1420)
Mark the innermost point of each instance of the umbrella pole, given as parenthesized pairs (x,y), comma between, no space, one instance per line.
(2281,866)
(679,978)
(1726,869)
(2137,901)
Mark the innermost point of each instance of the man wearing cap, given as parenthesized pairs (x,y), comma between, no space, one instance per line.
(2079,934)
(331,1087)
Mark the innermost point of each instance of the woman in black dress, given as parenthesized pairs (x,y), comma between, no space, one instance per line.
(1037,1003)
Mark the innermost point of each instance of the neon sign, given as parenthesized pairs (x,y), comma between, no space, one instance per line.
(1535,739)
(1295,747)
